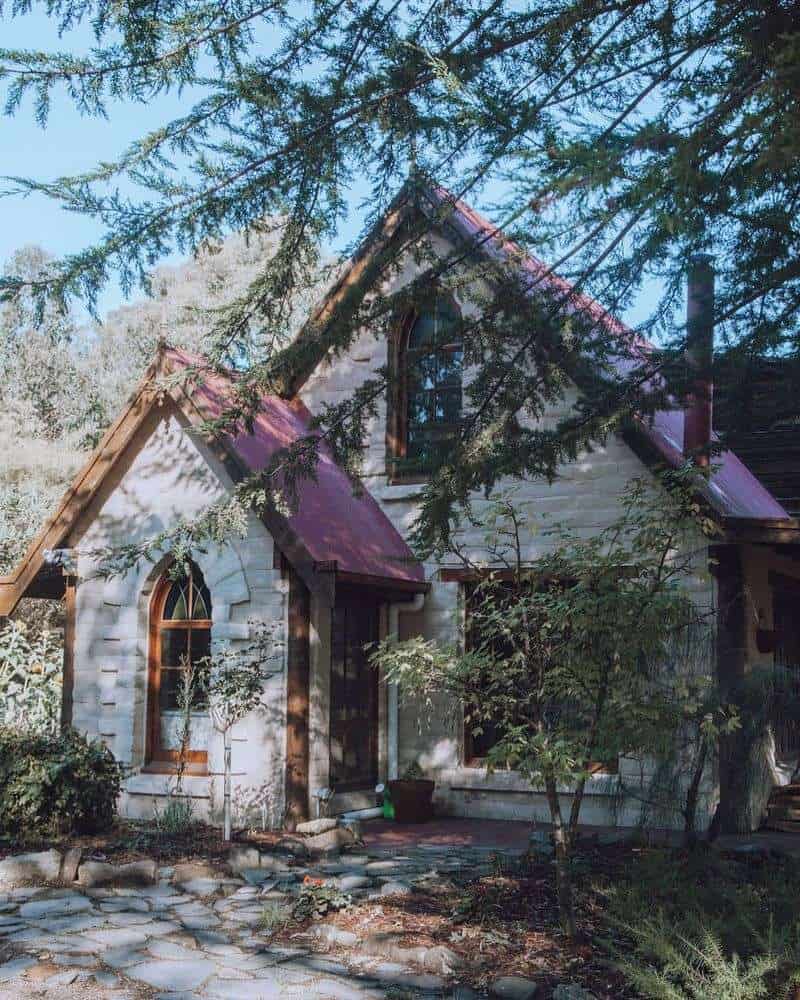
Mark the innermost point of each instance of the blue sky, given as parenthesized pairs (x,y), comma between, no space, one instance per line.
(71,144)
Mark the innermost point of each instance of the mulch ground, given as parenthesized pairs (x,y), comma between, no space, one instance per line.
(502,924)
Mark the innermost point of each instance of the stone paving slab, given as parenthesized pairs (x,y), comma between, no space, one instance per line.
(200,939)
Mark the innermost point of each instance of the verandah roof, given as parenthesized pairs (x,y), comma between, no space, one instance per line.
(336,524)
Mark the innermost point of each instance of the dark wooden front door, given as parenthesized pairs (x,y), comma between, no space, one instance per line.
(786,622)
(354,695)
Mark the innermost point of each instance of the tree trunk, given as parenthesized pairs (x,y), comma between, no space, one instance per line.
(566,912)
(692,797)
(226,831)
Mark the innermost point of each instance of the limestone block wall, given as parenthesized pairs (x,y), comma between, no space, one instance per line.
(168,474)
(584,499)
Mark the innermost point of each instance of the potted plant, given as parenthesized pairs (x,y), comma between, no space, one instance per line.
(412,796)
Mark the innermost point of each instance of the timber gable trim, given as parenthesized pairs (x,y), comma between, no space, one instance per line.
(102,461)
(81,492)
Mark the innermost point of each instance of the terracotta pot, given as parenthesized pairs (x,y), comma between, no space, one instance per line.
(412,799)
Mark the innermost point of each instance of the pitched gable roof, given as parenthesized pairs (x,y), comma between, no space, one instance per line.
(732,491)
(334,535)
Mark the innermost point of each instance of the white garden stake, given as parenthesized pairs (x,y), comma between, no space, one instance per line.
(235,689)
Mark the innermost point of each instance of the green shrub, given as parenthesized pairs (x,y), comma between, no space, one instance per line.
(274,918)
(704,926)
(56,784)
(688,961)
(316,900)
(177,818)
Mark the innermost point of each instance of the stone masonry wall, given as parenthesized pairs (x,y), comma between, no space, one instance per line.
(584,498)
(168,474)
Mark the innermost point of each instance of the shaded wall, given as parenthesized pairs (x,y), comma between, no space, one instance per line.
(585,498)
(167,474)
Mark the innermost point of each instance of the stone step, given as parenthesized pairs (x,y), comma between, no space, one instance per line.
(782,826)
(784,811)
(786,791)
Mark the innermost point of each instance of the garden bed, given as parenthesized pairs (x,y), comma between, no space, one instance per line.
(506,924)
(128,841)
(498,916)
(500,924)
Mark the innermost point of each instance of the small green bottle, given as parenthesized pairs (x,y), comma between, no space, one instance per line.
(388,805)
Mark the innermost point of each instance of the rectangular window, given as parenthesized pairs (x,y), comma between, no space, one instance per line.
(477,744)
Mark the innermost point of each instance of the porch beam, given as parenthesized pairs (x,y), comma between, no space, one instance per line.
(730,655)
(68,669)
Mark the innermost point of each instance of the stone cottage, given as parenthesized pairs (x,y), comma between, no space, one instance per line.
(337,573)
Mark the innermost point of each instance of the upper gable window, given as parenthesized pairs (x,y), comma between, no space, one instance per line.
(428,394)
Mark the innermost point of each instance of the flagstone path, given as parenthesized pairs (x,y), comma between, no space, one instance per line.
(200,938)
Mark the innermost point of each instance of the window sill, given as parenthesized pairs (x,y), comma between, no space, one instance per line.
(595,770)
(167,767)
(162,784)
(476,778)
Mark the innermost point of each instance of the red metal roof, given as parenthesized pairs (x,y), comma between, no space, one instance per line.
(733,490)
(334,524)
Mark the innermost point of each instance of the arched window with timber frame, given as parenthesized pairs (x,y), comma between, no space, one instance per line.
(180,638)
(424,412)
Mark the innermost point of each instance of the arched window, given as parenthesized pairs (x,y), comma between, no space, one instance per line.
(427,412)
(180,636)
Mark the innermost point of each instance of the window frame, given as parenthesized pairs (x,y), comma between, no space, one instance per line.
(397,423)
(158,758)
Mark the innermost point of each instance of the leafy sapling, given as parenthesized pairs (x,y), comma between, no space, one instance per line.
(564,644)
(234,685)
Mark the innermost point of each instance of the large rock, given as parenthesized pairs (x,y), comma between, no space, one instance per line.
(438,959)
(191,870)
(441,959)
(59,906)
(513,988)
(43,866)
(331,934)
(15,967)
(348,882)
(243,859)
(330,841)
(94,873)
(314,826)
(354,826)
(241,856)
(293,845)
(395,889)
(167,974)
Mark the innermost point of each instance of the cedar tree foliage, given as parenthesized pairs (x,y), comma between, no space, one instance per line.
(616,139)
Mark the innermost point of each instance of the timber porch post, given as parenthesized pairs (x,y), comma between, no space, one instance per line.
(297,702)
